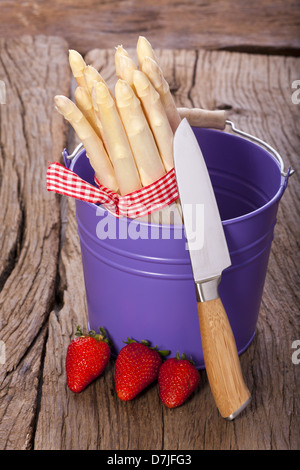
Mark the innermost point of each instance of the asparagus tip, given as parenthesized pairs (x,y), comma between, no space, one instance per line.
(76,56)
(91,73)
(123,89)
(59,99)
(101,93)
(76,62)
(144,43)
(82,97)
(140,79)
(64,105)
(153,71)
(120,50)
(144,49)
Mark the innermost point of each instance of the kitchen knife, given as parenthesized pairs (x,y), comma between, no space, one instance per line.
(209,257)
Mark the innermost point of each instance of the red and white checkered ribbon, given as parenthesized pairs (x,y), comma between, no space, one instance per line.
(153,197)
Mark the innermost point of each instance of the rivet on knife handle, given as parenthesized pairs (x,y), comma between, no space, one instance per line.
(220,353)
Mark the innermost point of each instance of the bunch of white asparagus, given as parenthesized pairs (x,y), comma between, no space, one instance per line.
(128,135)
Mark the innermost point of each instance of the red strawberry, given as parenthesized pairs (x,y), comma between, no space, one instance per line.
(87,357)
(136,367)
(177,380)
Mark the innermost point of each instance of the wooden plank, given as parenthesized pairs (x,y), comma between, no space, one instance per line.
(257,26)
(31,134)
(257,92)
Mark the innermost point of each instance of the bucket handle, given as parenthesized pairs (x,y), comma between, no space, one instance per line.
(264,144)
(69,157)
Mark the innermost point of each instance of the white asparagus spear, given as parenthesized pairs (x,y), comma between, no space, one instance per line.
(151,68)
(157,119)
(140,137)
(115,139)
(144,49)
(149,64)
(84,103)
(120,50)
(143,146)
(125,68)
(156,116)
(77,65)
(93,145)
(91,75)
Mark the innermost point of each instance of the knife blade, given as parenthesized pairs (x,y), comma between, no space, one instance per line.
(209,256)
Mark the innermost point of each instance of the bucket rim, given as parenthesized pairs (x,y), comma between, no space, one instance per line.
(80,150)
(283,177)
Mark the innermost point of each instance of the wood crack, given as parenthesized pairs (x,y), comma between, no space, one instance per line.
(265,50)
(35,416)
(13,255)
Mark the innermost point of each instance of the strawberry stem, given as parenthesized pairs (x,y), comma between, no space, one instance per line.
(129,340)
(79,331)
(162,353)
(183,357)
(93,334)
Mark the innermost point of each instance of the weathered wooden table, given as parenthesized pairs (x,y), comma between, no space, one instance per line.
(42,297)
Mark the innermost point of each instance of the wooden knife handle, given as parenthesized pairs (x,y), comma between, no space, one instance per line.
(197,117)
(221,359)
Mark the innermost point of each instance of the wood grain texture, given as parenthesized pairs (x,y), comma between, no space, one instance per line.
(268,26)
(256,91)
(31,134)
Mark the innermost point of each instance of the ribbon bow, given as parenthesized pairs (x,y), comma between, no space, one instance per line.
(150,198)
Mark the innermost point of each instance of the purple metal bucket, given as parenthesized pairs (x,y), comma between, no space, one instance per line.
(139,281)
